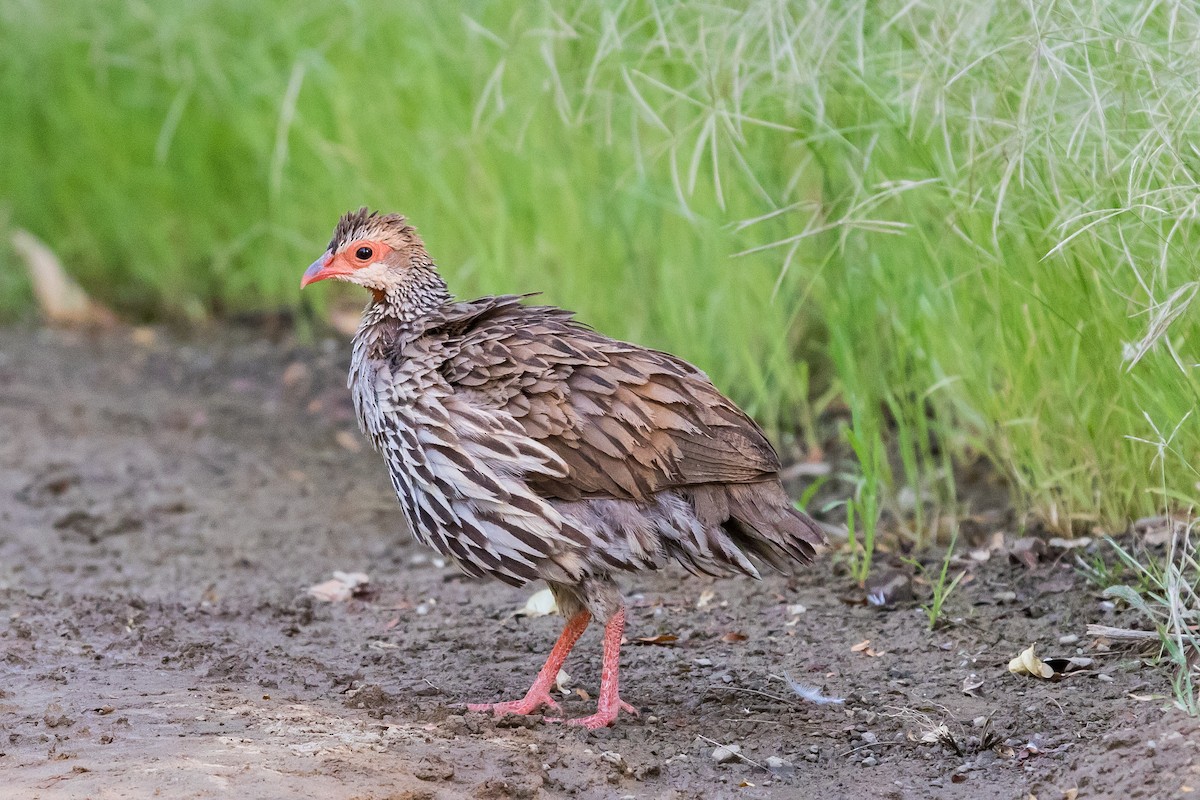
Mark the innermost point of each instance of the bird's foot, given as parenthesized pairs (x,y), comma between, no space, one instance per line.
(605,715)
(526,705)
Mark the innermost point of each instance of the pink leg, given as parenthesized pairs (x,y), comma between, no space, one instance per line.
(609,703)
(539,693)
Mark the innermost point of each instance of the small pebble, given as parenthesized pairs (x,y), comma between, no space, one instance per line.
(814,748)
(1005,597)
(726,753)
(811,757)
(612,758)
(979,722)
(1070,638)
(869,761)
(703,662)
(1106,678)
(870,738)
(775,762)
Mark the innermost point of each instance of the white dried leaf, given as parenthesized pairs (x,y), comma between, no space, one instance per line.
(539,604)
(341,587)
(1027,663)
(60,297)
(934,735)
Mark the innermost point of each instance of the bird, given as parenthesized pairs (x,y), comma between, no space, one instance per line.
(523,445)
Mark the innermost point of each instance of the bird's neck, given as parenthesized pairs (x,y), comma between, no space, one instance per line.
(401,313)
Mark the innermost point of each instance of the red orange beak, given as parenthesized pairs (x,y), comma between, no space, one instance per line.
(324,267)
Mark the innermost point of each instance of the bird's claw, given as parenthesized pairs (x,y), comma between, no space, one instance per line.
(526,705)
(601,719)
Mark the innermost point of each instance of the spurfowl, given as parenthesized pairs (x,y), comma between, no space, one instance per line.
(524,445)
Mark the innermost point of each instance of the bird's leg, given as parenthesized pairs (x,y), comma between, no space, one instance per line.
(609,703)
(539,693)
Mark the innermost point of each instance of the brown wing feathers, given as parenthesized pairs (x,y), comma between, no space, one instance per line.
(628,422)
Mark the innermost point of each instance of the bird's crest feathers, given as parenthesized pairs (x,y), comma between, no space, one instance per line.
(364,224)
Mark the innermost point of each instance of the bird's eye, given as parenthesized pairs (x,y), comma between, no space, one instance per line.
(363,253)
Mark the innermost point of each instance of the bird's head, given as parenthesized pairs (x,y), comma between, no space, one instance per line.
(380,252)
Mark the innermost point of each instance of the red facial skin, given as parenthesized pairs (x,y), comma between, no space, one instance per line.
(345,262)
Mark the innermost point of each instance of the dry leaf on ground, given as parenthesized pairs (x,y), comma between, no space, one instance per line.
(342,586)
(663,638)
(1029,664)
(539,604)
(60,298)
(971,685)
(865,648)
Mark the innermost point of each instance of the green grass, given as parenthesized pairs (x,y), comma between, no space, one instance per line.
(1166,593)
(976,221)
(942,586)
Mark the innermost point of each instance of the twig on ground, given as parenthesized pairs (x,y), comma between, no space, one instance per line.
(736,754)
(1121,634)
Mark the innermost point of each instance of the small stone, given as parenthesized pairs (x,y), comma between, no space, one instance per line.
(1070,638)
(814,748)
(703,662)
(1005,597)
(777,764)
(433,768)
(870,738)
(979,722)
(869,761)
(726,753)
(1106,678)
(812,757)
(611,757)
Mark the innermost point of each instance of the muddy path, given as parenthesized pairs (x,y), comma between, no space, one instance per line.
(165,505)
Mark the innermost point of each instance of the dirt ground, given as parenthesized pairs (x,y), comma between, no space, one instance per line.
(165,504)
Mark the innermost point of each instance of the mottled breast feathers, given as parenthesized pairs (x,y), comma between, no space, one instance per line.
(628,421)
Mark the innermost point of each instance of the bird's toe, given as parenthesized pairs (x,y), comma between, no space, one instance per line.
(527,705)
